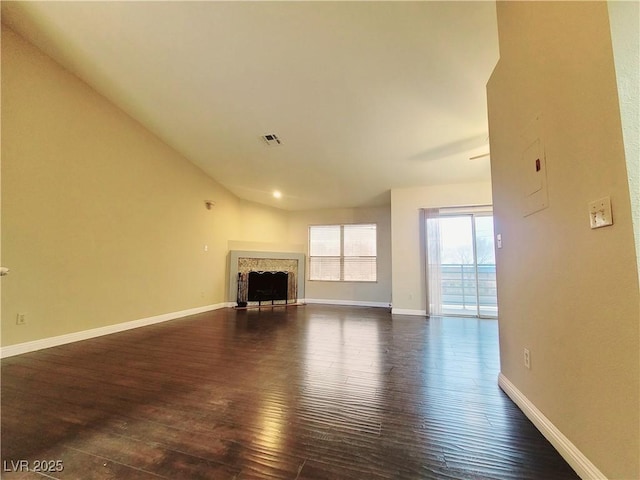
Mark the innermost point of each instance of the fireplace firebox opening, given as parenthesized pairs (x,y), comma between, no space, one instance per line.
(268,287)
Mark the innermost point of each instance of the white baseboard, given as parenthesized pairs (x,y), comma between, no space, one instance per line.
(574,457)
(352,303)
(20,348)
(404,311)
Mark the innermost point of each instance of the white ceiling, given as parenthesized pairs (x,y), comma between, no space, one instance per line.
(366,96)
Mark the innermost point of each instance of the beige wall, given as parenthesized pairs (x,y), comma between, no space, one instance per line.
(566,292)
(353,292)
(102,223)
(261,224)
(408,279)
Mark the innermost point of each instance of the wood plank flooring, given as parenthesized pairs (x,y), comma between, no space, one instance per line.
(308,393)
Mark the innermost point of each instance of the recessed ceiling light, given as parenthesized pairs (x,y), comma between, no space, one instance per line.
(277,194)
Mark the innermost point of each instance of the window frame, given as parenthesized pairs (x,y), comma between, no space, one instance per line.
(342,256)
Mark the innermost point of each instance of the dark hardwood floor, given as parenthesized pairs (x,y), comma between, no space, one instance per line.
(310,392)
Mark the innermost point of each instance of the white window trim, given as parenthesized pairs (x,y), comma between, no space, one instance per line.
(342,256)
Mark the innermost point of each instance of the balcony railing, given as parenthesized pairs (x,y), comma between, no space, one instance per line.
(459,287)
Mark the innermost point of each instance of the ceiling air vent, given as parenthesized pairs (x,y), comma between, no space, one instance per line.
(271,139)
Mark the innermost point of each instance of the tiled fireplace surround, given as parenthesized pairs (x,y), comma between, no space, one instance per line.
(243,262)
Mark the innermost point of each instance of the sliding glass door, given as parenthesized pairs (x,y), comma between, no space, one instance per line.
(461,264)
(485,266)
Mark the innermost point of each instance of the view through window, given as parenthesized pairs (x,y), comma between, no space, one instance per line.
(343,253)
(461,265)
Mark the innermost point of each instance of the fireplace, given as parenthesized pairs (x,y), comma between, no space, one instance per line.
(268,287)
(265,278)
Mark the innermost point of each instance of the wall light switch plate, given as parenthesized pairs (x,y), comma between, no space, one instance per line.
(600,213)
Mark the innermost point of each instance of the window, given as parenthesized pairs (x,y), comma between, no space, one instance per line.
(343,253)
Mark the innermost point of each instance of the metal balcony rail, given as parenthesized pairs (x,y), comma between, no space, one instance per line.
(459,285)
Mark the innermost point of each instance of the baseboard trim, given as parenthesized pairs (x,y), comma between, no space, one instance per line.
(574,457)
(20,348)
(404,311)
(350,303)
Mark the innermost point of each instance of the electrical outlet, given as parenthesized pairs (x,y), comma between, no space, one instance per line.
(21,319)
(527,358)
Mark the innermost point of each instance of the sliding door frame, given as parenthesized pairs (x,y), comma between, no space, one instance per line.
(472,212)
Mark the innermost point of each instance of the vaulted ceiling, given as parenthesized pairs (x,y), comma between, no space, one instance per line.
(364,96)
